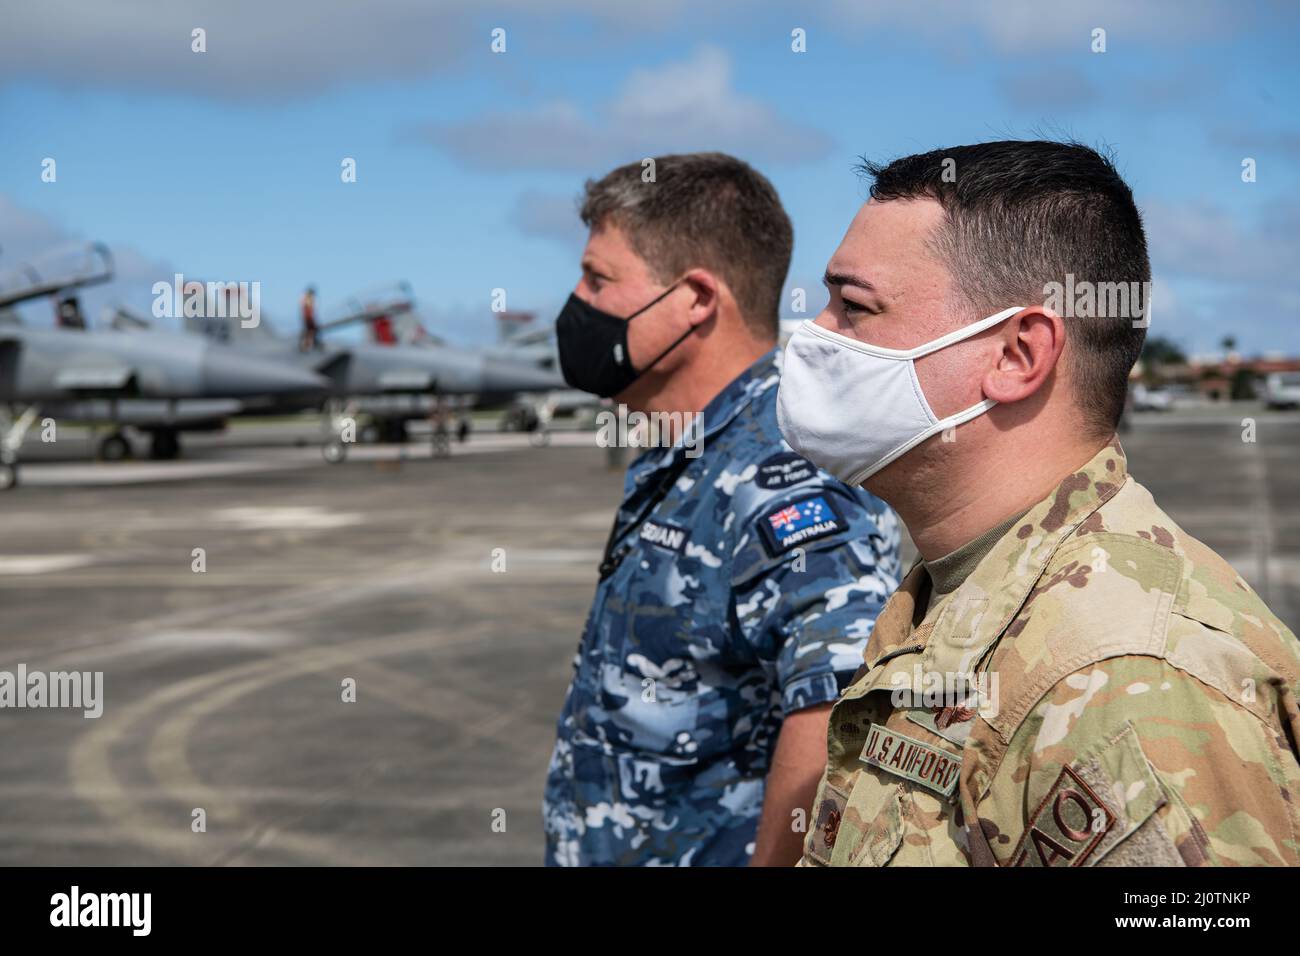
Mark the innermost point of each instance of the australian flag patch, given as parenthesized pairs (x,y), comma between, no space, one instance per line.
(798,523)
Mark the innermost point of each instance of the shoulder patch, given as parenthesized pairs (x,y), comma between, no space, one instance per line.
(1066,827)
(799,522)
(665,535)
(783,470)
(821,841)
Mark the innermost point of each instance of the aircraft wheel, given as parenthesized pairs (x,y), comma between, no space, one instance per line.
(540,438)
(334,451)
(165,445)
(8,476)
(395,432)
(114,448)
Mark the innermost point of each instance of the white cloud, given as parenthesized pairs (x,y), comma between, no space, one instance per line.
(1031,26)
(1207,241)
(303,47)
(679,107)
(253,48)
(546,216)
(257,49)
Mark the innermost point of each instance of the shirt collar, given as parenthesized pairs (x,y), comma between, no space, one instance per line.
(721,411)
(966,625)
(978,612)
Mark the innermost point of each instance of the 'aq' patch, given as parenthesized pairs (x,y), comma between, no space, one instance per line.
(794,524)
(1066,827)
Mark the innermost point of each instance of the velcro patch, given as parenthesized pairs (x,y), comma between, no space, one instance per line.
(821,841)
(798,523)
(783,470)
(951,723)
(1066,827)
(915,760)
(665,535)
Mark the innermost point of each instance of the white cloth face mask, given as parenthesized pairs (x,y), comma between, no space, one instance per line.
(852,408)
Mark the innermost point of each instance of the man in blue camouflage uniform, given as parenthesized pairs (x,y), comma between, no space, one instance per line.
(740,584)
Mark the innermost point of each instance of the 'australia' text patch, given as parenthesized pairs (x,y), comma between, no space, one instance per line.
(915,760)
(665,535)
(794,524)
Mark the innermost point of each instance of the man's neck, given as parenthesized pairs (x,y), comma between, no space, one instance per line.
(692,387)
(970,503)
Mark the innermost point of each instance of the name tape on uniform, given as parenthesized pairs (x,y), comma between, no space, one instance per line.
(915,760)
(665,535)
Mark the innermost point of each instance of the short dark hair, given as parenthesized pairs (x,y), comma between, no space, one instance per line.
(1022,214)
(702,210)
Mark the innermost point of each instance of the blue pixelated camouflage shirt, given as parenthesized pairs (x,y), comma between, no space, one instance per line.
(747,593)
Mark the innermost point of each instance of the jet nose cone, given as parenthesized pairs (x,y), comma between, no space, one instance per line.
(232,374)
(499,376)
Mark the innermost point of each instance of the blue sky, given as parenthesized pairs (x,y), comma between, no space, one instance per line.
(225,164)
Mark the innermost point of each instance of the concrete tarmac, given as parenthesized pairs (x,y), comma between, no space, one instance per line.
(451,592)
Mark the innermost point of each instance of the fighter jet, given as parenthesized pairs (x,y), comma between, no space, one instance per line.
(50,372)
(393,381)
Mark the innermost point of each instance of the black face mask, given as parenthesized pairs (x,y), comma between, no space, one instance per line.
(593,347)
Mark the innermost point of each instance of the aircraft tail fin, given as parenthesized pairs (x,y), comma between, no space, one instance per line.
(229,316)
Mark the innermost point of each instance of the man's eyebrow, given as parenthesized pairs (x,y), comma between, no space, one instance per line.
(847,278)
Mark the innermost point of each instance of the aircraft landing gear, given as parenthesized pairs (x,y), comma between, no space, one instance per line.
(334,451)
(438,417)
(463,428)
(164,444)
(539,436)
(8,472)
(11,439)
(114,447)
(341,423)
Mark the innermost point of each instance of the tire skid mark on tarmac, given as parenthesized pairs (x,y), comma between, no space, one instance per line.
(204,696)
(90,760)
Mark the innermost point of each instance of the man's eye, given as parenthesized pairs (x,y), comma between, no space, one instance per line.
(855,308)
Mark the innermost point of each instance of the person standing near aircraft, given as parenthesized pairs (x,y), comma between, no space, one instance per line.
(307,304)
(739,583)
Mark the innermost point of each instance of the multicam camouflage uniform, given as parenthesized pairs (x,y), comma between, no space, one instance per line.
(746,593)
(1145,705)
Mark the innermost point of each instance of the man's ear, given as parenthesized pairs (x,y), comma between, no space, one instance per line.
(1031,344)
(706,289)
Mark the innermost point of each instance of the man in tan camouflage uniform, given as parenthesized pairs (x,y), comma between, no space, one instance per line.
(1066,678)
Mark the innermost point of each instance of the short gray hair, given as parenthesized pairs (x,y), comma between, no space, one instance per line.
(702,210)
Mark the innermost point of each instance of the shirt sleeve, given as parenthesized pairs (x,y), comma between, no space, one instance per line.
(1133,761)
(806,596)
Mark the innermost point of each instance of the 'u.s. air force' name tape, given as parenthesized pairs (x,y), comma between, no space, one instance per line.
(799,522)
(912,759)
(665,535)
